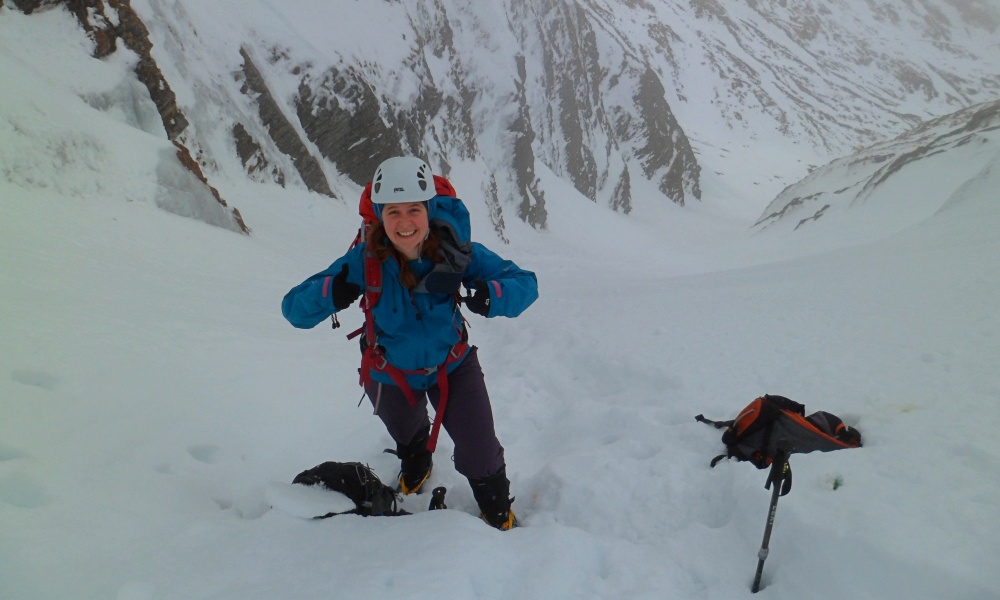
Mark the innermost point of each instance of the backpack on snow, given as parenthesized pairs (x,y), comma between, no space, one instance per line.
(766,433)
(770,424)
(371,497)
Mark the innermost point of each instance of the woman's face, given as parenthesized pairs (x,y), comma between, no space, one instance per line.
(406,225)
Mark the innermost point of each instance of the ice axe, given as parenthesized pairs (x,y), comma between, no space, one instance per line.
(781,476)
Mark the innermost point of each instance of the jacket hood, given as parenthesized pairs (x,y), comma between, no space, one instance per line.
(453,212)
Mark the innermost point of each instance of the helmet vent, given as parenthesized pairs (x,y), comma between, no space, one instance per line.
(422,178)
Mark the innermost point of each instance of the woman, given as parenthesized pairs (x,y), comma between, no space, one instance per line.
(416,341)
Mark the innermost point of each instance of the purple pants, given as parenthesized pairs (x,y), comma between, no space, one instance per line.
(468,417)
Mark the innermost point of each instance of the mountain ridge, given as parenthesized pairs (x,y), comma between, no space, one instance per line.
(617,97)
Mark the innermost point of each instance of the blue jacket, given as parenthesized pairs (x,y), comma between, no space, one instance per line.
(417,329)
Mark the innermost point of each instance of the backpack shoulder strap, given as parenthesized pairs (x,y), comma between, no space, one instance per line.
(716,424)
(368,217)
(373,292)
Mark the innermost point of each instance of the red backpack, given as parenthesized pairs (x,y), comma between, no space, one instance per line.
(373,358)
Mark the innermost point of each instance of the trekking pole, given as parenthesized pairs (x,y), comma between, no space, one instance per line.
(781,477)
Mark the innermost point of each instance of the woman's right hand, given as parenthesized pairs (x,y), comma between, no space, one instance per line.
(344,292)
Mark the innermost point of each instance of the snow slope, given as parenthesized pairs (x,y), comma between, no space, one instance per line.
(151,394)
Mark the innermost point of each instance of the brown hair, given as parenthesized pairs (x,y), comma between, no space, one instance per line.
(378,242)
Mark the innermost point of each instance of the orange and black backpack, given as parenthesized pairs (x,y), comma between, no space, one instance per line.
(766,432)
(769,421)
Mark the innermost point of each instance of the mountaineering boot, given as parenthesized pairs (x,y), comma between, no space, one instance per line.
(493,496)
(415,464)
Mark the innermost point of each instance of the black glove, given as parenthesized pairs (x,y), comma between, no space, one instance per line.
(479,301)
(344,292)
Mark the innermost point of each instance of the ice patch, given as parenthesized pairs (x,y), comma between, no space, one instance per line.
(181,193)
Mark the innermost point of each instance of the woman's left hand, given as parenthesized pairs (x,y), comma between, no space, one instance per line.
(479,302)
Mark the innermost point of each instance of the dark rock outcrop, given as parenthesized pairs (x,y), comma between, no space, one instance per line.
(281,129)
(254,160)
(666,153)
(586,130)
(135,36)
(532,206)
(341,114)
(30,6)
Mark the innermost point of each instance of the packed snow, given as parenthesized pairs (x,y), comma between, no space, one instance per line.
(154,404)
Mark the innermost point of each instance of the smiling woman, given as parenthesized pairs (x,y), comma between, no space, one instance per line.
(407,227)
(416,346)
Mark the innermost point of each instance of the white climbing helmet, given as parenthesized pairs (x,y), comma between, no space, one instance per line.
(402,179)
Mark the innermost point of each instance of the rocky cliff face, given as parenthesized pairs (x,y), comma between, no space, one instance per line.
(601,94)
(598,92)
(844,74)
(572,102)
(611,114)
(281,131)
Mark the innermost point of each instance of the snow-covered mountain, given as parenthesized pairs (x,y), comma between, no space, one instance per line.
(928,169)
(627,101)
(152,398)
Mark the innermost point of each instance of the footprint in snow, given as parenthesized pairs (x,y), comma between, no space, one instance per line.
(24,491)
(206,453)
(165,469)
(35,378)
(10,453)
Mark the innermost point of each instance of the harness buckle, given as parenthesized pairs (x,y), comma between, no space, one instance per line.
(379,361)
